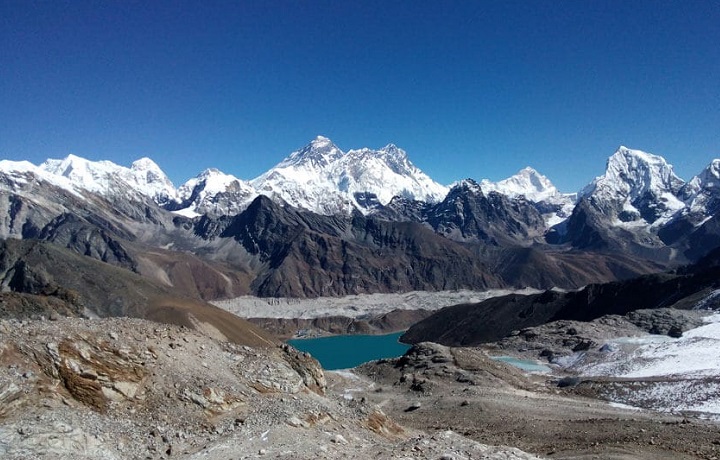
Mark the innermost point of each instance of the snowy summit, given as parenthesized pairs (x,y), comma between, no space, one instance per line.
(322,178)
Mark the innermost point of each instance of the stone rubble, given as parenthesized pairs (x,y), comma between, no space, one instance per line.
(132,389)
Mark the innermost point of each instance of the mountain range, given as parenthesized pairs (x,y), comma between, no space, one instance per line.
(327,222)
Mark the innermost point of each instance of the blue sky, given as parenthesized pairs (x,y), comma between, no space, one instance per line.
(474,89)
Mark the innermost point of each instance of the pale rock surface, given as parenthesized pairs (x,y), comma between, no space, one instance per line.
(71,391)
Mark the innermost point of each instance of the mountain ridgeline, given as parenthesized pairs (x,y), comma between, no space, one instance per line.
(324,222)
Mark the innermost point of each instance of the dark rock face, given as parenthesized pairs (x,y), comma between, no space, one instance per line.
(86,238)
(703,238)
(468,215)
(590,228)
(394,321)
(306,255)
(488,321)
(312,255)
(685,238)
(493,319)
(664,321)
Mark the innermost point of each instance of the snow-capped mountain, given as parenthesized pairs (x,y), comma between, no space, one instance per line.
(527,182)
(106,178)
(536,188)
(322,178)
(387,173)
(638,188)
(213,192)
(20,173)
(702,193)
(302,179)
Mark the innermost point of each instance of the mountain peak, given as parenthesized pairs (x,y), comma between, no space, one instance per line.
(637,187)
(712,173)
(392,150)
(467,185)
(526,182)
(628,155)
(210,172)
(94,176)
(637,172)
(320,152)
(321,140)
(144,164)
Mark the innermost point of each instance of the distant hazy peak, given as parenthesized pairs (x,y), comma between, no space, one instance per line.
(527,182)
(212,180)
(144,177)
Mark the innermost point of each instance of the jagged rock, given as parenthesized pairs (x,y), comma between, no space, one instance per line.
(307,367)
(665,321)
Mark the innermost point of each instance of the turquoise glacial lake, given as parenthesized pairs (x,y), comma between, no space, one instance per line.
(345,351)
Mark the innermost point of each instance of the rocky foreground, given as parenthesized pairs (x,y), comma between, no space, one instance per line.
(129,388)
(461,389)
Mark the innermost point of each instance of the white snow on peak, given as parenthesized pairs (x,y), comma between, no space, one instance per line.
(527,182)
(322,178)
(632,173)
(536,188)
(148,177)
(8,166)
(213,191)
(701,194)
(76,174)
(635,179)
(213,180)
(21,172)
(317,154)
(106,178)
(708,179)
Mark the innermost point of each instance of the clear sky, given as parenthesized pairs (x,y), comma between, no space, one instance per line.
(475,89)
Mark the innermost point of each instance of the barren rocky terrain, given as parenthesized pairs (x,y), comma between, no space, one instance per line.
(130,388)
(462,390)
